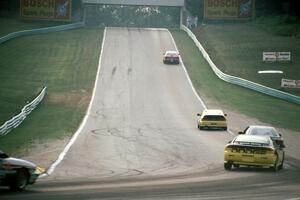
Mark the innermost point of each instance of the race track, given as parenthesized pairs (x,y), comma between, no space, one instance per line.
(140,139)
(143,117)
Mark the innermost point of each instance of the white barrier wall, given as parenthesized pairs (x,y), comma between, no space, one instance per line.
(41,31)
(18,119)
(239,81)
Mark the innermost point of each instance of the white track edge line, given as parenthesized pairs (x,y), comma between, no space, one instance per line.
(187,75)
(75,136)
(189,80)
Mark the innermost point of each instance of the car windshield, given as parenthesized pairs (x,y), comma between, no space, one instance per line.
(251,143)
(171,54)
(264,131)
(214,118)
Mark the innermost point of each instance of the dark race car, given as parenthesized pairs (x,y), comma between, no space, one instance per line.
(17,173)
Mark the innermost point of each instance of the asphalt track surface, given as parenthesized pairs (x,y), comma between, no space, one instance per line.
(141,141)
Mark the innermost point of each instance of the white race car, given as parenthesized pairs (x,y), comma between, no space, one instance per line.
(17,173)
(264,131)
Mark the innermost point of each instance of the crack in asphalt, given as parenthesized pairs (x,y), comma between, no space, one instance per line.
(172,156)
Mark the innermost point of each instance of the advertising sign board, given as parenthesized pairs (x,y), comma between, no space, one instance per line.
(56,10)
(228,9)
(286,83)
(284,56)
(276,56)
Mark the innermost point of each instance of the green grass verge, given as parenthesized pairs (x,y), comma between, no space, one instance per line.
(9,25)
(66,62)
(267,109)
(237,50)
(281,25)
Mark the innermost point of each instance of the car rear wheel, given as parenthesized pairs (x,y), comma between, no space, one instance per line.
(236,165)
(227,166)
(276,167)
(20,180)
(281,165)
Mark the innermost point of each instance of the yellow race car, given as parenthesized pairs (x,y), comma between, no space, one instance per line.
(257,151)
(212,119)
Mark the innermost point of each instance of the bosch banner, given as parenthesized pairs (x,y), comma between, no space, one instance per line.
(58,10)
(228,9)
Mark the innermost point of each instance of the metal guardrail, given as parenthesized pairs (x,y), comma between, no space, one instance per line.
(18,119)
(41,31)
(239,81)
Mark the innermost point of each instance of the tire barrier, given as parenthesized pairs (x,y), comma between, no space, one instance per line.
(18,119)
(239,81)
(41,31)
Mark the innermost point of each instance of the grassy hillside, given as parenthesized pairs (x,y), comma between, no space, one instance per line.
(66,62)
(265,108)
(9,25)
(236,48)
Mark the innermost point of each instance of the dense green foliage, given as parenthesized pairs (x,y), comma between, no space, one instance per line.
(132,16)
(195,7)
